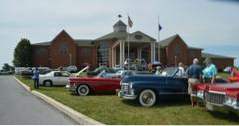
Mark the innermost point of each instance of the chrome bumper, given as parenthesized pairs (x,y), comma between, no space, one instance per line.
(70,88)
(121,94)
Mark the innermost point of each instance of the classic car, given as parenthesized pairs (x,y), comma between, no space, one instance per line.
(99,70)
(220,94)
(101,83)
(147,88)
(54,78)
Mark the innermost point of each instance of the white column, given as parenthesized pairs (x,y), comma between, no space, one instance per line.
(122,53)
(139,52)
(152,49)
(112,56)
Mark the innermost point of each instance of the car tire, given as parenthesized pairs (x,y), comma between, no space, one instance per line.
(147,98)
(48,83)
(83,90)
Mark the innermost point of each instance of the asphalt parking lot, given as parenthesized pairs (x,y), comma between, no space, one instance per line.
(17,106)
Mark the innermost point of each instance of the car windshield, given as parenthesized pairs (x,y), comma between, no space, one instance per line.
(170,71)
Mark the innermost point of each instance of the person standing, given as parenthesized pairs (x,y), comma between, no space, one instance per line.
(35,77)
(181,71)
(194,73)
(209,72)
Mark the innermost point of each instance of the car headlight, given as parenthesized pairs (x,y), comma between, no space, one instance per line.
(130,85)
(234,102)
(200,93)
(231,101)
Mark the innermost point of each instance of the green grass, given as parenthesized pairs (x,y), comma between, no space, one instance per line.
(224,75)
(111,109)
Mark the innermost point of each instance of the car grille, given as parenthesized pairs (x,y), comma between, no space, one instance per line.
(125,88)
(215,98)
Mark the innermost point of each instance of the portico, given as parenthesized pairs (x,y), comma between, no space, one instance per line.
(120,51)
(141,46)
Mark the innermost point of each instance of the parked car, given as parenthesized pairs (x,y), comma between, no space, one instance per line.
(137,64)
(147,88)
(71,69)
(101,83)
(44,70)
(224,95)
(28,72)
(54,78)
(99,70)
(6,72)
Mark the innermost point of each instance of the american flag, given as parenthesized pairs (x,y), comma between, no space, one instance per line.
(130,23)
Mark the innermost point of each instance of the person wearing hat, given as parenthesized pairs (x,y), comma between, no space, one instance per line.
(209,72)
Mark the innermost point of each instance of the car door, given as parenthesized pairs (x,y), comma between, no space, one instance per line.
(105,83)
(177,85)
(57,78)
(64,78)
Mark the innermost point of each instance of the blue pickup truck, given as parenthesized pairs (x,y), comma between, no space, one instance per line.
(147,88)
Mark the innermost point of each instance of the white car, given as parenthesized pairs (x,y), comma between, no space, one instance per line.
(54,78)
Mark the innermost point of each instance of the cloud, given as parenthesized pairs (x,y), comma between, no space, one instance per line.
(200,23)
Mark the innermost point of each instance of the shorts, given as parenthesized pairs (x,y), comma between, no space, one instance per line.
(191,83)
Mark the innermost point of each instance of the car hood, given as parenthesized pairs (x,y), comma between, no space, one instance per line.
(200,86)
(224,87)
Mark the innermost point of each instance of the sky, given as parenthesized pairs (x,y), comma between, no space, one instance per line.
(209,24)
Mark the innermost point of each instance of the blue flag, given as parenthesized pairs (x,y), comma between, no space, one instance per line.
(160,28)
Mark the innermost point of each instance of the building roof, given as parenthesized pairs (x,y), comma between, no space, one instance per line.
(167,41)
(117,35)
(79,42)
(209,55)
(122,35)
(42,43)
(196,48)
(119,23)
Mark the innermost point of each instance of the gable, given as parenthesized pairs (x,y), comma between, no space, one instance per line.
(173,39)
(139,36)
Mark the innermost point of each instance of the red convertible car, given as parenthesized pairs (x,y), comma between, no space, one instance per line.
(100,83)
(219,94)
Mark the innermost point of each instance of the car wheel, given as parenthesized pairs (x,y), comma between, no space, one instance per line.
(83,90)
(147,98)
(48,83)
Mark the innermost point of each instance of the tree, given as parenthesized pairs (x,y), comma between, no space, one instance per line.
(7,67)
(23,54)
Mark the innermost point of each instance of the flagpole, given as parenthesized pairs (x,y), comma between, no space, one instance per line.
(158,29)
(128,45)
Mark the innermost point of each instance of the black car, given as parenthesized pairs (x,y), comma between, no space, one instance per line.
(147,88)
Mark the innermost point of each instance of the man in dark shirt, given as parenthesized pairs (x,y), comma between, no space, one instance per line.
(194,74)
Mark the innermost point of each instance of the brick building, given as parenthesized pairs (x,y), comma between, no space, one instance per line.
(111,49)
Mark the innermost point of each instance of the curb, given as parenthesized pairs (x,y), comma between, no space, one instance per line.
(23,85)
(76,116)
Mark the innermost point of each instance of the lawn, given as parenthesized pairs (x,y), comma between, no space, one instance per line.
(110,109)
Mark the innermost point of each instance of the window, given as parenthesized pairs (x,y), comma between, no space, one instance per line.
(103,53)
(57,74)
(65,74)
(63,49)
(177,50)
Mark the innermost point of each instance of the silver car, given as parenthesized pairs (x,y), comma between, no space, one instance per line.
(54,78)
